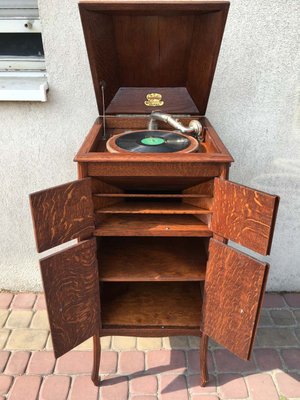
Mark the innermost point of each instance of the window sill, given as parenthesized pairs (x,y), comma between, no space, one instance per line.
(23,86)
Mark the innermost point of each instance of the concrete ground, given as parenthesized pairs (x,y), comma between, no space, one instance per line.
(146,369)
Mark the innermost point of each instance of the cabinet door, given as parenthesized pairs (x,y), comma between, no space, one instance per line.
(244,215)
(233,292)
(62,213)
(71,284)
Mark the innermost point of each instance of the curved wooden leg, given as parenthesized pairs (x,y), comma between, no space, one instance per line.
(203,360)
(96,360)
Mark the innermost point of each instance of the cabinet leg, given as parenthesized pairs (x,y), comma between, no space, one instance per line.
(96,361)
(203,360)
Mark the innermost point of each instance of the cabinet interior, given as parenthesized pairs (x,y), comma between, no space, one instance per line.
(171,208)
(140,259)
(151,304)
(152,250)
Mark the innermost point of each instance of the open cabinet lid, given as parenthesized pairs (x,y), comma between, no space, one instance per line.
(169,48)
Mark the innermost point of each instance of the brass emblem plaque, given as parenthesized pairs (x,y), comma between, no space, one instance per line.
(154,100)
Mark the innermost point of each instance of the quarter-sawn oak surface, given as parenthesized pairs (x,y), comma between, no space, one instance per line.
(70,280)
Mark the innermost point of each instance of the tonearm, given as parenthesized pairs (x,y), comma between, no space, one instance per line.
(194,127)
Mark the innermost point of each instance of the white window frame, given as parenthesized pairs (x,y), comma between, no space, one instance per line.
(21,79)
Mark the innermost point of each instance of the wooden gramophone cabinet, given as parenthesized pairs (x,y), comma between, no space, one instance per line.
(152,257)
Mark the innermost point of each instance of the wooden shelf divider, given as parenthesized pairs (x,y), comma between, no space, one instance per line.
(151,225)
(151,195)
(147,207)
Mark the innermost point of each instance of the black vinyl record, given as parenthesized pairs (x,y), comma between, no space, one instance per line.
(153,142)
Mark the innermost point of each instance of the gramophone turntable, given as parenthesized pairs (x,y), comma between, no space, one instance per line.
(159,141)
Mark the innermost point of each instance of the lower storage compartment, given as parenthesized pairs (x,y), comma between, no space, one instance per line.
(155,259)
(151,305)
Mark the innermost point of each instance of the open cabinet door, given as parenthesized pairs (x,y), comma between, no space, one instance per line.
(71,284)
(62,213)
(70,277)
(244,215)
(233,293)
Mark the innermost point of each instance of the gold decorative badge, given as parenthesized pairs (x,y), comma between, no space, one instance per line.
(154,100)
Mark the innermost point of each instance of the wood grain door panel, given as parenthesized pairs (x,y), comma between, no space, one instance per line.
(70,279)
(233,292)
(244,215)
(62,213)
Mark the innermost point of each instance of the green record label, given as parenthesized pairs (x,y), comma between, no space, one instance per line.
(152,141)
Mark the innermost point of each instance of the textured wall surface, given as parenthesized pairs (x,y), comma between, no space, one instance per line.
(254,105)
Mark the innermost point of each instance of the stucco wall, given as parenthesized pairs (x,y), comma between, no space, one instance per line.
(254,105)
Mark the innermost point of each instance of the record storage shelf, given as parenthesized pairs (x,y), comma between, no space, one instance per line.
(152,260)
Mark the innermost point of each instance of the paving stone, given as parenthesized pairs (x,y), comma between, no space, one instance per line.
(146,384)
(5,299)
(262,387)
(108,364)
(283,317)
(297,333)
(55,388)
(3,317)
(83,389)
(232,386)
(105,342)
(17,363)
(131,362)
(28,384)
(228,362)
(194,385)
(176,342)
(114,388)
(194,342)
(4,355)
(193,361)
(40,303)
(267,359)
(4,333)
(41,363)
(293,299)
(5,383)
(19,319)
(199,397)
(273,337)
(123,342)
(23,300)
(166,361)
(291,358)
(27,339)
(149,343)
(143,397)
(173,387)
(288,384)
(40,320)
(75,362)
(49,344)
(213,345)
(86,345)
(273,300)
(297,316)
(265,319)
